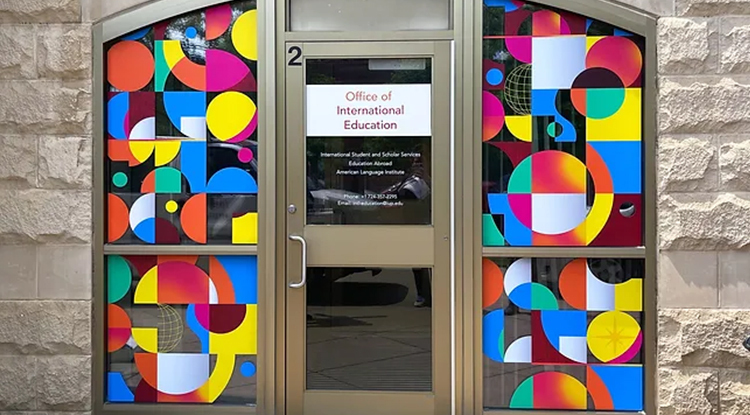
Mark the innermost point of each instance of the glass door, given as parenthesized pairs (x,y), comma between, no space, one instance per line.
(367,253)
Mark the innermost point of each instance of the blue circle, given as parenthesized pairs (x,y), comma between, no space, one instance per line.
(247,369)
(494,76)
(190,32)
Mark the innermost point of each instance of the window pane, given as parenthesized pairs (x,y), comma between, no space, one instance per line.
(562,135)
(357,175)
(176,324)
(182,143)
(563,333)
(369,15)
(369,329)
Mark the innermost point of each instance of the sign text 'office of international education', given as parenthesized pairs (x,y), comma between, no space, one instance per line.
(395,110)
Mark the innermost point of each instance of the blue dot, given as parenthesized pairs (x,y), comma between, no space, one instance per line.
(494,76)
(247,369)
(190,32)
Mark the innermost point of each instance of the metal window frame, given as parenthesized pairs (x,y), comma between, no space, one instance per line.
(109,29)
(625,17)
(466,34)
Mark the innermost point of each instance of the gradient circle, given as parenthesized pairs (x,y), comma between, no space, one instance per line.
(493,116)
(618,54)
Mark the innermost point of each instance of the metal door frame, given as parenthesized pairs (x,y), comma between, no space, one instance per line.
(435,255)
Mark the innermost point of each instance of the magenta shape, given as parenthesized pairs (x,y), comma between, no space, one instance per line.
(223,70)
(182,283)
(520,204)
(247,132)
(493,116)
(519,47)
(218,20)
(630,353)
(245,155)
(202,314)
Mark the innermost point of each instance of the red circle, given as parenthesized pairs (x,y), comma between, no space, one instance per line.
(130,66)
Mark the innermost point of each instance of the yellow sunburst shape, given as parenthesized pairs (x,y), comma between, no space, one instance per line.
(611,334)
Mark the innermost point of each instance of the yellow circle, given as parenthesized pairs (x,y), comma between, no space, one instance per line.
(229,113)
(171,206)
(245,35)
(611,334)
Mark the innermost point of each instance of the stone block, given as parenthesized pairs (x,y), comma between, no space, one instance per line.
(64,51)
(18,272)
(45,216)
(688,391)
(711,7)
(703,338)
(690,105)
(735,47)
(687,45)
(734,279)
(18,162)
(18,383)
(45,107)
(45,327)
(65,272)
(688,279)
(64,383)
(703,222)
(734,392)
(17,44)
(65,162)
(40,11)
(688,164)
(734,163)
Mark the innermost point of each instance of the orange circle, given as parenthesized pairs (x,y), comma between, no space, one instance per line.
(118,218)
(492,282)
(130,65)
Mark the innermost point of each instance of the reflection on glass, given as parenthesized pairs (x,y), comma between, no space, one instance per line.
(161,311)
(179,135)
(369,329)
(369,180)
(574,325)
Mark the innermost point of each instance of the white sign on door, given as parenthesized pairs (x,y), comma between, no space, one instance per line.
(369,110)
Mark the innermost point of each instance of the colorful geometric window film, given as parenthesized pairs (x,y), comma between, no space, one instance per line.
(181,130)
(563,334)
(561,129)
(182,329)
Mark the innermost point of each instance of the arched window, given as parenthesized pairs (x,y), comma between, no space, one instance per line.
(181,184)
(563,171)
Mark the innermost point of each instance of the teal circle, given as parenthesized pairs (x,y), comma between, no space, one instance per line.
(119,278)
(120,179)
(552,129)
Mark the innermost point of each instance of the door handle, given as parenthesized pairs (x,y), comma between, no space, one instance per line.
(303,280)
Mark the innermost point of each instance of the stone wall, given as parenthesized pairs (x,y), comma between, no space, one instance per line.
(45,206)
(704,207)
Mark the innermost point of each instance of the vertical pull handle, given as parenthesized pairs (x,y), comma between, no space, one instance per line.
(303,280)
